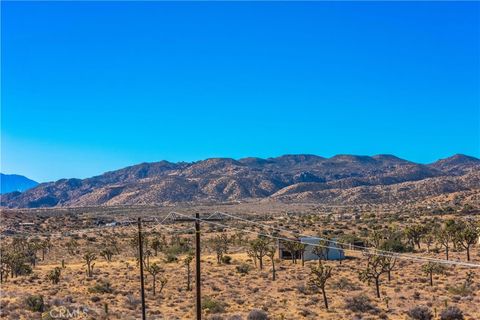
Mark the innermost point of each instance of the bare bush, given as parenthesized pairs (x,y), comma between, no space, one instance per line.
(360,303)
(257,314)
(420,313)
(451,313)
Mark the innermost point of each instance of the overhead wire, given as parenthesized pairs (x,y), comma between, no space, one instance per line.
(385,253)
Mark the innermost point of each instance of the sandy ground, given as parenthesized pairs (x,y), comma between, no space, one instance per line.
(285,298)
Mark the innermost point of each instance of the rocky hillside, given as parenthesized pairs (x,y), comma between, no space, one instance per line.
(339,179)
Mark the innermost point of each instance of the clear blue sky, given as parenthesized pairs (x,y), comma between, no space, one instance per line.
(95,86)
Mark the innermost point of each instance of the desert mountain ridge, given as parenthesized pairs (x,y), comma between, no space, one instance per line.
(301,177)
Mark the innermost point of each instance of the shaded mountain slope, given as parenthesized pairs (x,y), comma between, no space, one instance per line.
(15,182)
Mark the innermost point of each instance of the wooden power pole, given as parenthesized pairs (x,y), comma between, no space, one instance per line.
(142,283)
(198,277)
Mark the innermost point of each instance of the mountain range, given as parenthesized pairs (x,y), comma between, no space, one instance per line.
(15,182)
(342,179)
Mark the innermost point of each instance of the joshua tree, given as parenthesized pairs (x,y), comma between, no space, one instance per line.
(271,254)
(259,248)
(134,245)
(431,268)
(187,262)
(220,246)
(45,246)
(252,255)
(30,251)
(390,263)
(429,238)
(112,243)
(72,247)
(238,238)
(467,236)
(148,253)
(377,238)
(16,263)
(393,240)
(292,246)
(4,268)
(157,245)
(322,250)
(182,244)
(318,278)
(107,253)
(376,266)
(301,249)
(54,275)
(414,234)
(154,270)
(445,236)
(89,258)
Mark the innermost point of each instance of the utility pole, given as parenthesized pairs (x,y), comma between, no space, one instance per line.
(198,277)
(140,252)
(198,285)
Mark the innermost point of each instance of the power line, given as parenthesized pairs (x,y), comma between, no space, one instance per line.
(388,254)
(169,229)
(343,245)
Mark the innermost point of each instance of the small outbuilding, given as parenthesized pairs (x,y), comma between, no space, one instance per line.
(333,252)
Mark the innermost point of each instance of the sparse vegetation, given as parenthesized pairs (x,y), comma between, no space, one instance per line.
(376,266)
(89,258)
(319,276)
(420,313)
(451,313)
(35,303)
(360,303)
(54,275)
(156,271)
(234,287)
(188,260)
(432,268)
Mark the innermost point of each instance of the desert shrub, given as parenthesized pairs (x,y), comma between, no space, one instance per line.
(215,317)
(359,303)
(256,314)
(131,301)
(177,249)
(395,243)
(303,289)
(420,313)
(171,257)
(345,284)
(35,303)
(461,290)
(227,259)
(213,306)
(305,312)
(243,268)
(23,269)
(101,287)
(451,313)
